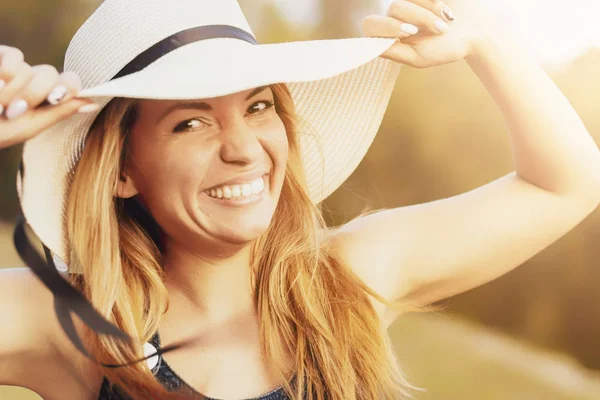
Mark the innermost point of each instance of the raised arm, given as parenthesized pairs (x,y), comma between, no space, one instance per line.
(426,252)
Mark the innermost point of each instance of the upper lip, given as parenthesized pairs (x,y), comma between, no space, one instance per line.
(244,178)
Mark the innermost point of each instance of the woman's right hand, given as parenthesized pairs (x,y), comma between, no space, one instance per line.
(24,88)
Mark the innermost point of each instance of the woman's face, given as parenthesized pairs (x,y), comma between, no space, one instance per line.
(210,171)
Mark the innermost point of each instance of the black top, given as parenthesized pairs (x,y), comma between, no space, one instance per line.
(173,382)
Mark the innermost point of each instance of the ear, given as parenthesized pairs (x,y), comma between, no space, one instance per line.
(126,187)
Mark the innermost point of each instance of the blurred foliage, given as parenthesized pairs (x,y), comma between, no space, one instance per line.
(442,136)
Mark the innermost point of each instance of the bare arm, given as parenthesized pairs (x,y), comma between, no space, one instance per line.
(26,345)
(424,253)
(34,351)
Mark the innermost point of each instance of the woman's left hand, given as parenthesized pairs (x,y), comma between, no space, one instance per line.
(440,40)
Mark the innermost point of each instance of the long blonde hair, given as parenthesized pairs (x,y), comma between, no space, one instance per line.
(309,304)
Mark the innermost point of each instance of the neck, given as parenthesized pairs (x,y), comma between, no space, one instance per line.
(214,288)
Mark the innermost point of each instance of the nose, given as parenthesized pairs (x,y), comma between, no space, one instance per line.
(240,144)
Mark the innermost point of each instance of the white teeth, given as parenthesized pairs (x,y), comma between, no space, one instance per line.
(246,190)
(257,186)
(243,190)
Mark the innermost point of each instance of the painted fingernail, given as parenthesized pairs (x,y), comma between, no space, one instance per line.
(16,109)
(441,26)
(88,108)
(448,14)
(57,95)
(409,28)
(2,84)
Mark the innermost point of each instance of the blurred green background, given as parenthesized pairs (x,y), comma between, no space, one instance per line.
(532,334)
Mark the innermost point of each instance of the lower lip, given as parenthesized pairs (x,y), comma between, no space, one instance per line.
(244,201)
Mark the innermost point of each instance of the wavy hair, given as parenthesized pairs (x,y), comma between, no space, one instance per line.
(310,305)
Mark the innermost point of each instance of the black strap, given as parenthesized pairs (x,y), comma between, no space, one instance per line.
(182,38)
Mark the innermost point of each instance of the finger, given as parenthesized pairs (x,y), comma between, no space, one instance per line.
(418,15)
(72,85)
(11,60)
(446,12)
(438,7)
(380,26)
(35,121)
(42,119)
(44,80)
(404,54)
(68,87)
(14,86)
(72,82)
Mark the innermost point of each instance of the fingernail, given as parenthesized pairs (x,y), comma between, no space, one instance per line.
(441,26)
(16,109)
(88,108)
(409,28)
(57,95)
(2,84)
(448,14)
(1,109)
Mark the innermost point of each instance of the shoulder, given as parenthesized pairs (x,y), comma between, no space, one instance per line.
(35,352)
(25,308)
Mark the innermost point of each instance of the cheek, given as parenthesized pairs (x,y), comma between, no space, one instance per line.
(164,171)
(275,142)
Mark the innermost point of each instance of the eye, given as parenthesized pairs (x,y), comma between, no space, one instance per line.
(260,106)
(189,125)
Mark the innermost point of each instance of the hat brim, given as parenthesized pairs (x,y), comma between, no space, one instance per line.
(217,67)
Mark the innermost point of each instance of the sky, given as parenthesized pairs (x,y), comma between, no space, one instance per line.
(555,31)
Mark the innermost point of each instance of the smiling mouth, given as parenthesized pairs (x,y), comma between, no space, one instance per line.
(243,191)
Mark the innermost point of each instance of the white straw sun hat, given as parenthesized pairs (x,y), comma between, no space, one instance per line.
(191,49)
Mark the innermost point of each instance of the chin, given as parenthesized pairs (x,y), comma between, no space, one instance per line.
(237,225)
(240,227)
(243,235)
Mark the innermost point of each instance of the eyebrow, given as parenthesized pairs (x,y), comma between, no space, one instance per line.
(203,106)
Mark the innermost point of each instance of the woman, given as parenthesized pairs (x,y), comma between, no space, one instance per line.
(190,208)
